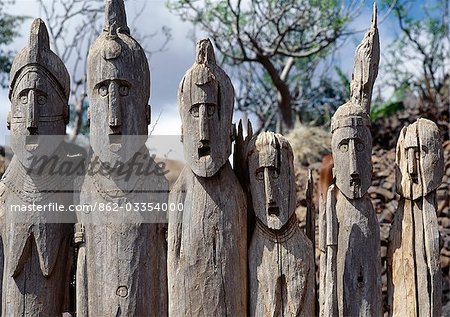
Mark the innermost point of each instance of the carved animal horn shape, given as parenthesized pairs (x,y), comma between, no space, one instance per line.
(365,71)
(115,17)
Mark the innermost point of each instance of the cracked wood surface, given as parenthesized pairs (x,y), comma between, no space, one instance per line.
(207,246)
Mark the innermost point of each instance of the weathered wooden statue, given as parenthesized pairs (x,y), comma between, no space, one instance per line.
(281,262)
(207,259)
(351,283)
(36,241)
(122,258)
(414,275)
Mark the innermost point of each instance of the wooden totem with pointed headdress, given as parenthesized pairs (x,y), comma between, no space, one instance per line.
(350,235)
(414,273)
(36,241)
(281,260)
(121,267)
(207,242)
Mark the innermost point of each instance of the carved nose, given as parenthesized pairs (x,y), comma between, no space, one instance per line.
(114,109)
(32,112)
(412,162)
(203,124)
(354,173)
(268,188)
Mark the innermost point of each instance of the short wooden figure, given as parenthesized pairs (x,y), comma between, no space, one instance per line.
(281,258)
(414,274)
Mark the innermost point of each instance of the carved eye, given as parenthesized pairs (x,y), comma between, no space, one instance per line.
(359,146)
(343,147)
(424,151)
(194,111)
(103,90)
(42,100)
(24,99)
(211,109)
(259,174)
(124,90)
(274,173)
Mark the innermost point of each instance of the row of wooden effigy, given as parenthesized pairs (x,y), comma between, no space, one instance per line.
(236,247)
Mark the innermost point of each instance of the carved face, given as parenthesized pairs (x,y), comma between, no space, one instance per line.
(352,148)
(118,120)
(272,182)
(206,133)
(419,159)
(38,111)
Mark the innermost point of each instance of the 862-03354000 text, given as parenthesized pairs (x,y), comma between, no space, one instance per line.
(110,206)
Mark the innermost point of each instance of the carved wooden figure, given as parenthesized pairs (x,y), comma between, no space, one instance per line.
(281,258)
(122,258)
(36,246)
(351,283)
(207,255)
(414,275)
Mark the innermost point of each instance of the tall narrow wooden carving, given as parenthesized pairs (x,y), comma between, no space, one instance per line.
(122,258)
(281,260)
(414,275)
(207,259)
(351,283)
(37,263)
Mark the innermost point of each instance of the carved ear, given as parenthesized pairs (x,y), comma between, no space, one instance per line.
(148,114)
(89,116)
(8,120)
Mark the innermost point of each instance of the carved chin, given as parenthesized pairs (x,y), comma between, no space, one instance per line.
(412,190)
(31,142)
(205,167)
(352,190)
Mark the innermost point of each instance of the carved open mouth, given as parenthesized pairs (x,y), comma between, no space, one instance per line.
(115,142)
(31,142)
(414,178)
(355,182)
(273,210)
(204,149)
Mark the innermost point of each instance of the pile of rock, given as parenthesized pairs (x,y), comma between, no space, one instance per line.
(385,201)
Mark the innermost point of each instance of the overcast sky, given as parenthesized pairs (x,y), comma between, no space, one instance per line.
(167,68)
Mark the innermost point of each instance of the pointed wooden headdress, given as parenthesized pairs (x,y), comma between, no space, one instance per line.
(116,54)
(206,82)
(37,56)
(356,111)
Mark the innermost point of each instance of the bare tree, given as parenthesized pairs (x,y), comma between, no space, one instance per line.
(73,26)
(418,61)
(273,42)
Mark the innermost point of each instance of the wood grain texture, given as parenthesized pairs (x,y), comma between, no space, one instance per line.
(413,253)
(36,247)
(281,257)
(207,241)
(207,246)
(351,283)
(122,258)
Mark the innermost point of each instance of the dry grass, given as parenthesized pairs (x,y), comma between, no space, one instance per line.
(309,144)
